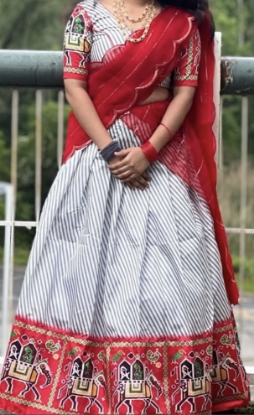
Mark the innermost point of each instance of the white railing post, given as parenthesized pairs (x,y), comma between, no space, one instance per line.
(7,190)
(216,94)
(243,200)
(38,152)
(60,128)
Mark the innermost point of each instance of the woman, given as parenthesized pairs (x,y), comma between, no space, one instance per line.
(125,306)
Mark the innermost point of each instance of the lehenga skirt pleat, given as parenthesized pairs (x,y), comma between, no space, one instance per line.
(123,307)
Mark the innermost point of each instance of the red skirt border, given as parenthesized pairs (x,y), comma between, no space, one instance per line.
(48,371)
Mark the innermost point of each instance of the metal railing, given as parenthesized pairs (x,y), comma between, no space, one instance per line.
(43,69)
(33,69)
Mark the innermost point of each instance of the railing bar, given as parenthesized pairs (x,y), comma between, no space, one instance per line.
(220,144)
(18,223)
(239,230)
(14,183)
(12,246)
(60,128)
(216,92)
(38,152)
(244,179)
(28,224)
(14,148)
(9,230)
(243,203)
(44,69)
(6,266)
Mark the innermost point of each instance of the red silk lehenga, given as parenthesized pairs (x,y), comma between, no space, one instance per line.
(126,301)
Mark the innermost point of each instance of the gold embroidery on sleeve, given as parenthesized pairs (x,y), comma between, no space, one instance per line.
(76,43)
(77,71)
(188,76)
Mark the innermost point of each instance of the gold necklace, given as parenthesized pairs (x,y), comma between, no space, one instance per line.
(139,19)
(120,12)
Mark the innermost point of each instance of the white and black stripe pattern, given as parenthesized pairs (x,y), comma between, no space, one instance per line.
(109,261)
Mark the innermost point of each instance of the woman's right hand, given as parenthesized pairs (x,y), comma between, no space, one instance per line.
(141,182)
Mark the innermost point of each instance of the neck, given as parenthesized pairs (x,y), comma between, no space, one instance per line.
(136,2)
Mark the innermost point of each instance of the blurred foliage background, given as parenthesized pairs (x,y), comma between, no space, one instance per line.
(39,25)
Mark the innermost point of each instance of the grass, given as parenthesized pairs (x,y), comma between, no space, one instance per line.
(20,256)
(248,287)
(229,192)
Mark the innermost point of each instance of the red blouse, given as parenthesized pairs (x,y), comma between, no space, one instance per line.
(80,35)
(77,44)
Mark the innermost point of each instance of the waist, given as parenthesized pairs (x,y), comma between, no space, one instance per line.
(160,93)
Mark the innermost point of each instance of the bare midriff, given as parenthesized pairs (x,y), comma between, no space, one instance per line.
(159,94)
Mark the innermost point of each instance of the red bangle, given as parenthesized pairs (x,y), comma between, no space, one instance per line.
(150,152)
(168,130)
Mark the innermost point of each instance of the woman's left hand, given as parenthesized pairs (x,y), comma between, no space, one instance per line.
(132,166)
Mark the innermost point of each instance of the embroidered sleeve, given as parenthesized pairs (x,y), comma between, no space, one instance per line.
(77,44)
(186,72)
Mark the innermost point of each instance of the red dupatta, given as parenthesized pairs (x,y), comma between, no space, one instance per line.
(128,76)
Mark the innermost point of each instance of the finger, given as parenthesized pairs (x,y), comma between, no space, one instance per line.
(125,175)
(142,181)
(118,165)
(146,176)
(121,170)
(129,178)
(130,185)
(138,185)
(122,153)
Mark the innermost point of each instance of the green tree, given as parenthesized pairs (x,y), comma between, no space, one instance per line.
(32,24)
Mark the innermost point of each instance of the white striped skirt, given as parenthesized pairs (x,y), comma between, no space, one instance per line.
(129,283)
(111,261)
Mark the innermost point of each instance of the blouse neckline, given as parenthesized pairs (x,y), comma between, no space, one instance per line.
(114,17)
